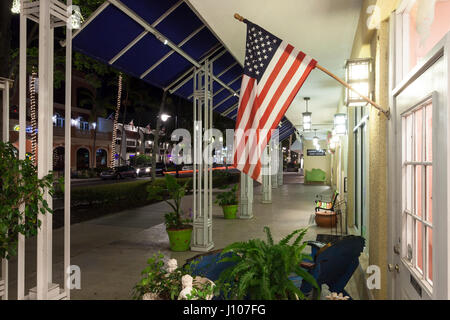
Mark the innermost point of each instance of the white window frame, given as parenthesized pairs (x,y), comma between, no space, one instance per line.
(402,37)
(412,265)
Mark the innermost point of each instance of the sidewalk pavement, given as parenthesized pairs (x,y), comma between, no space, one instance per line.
(112,250)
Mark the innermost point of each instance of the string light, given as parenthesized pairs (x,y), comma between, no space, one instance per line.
(33,114)
(116,118)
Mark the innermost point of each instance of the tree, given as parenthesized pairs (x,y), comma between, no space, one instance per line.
(156,139)
(99,106)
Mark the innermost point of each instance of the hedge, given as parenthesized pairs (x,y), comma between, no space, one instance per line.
(134,193)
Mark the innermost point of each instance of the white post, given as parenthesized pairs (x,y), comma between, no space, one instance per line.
(5,136)
(22,142)
(202,232)
(280,166)
(67,157)
(6,111)
(44,117)
(246,201)
(49,217)
(267,179)
(274,161)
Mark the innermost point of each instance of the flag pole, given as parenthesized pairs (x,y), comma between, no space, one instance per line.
(335,77)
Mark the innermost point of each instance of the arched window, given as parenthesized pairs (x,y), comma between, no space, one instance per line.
(101,158)
(82,159)
(58,159)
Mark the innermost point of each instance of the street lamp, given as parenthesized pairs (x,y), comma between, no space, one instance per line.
(164,117)
(358,76)
(306,116)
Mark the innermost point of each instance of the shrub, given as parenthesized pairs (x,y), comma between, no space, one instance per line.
(19,186)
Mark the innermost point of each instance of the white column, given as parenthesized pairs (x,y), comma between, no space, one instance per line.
(280,165)
(44,139)
(202,184)
(246,200)
(267,179)
(5,136)
(22,142)
(67,157)
(50,155)
(5,129)
(274,161)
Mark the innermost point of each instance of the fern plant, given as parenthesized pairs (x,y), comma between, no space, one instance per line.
(261,269)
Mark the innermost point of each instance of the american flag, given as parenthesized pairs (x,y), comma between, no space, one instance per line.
(274,72)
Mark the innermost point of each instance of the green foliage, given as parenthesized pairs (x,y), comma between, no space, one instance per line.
(227,198)
(262,268)
(141,160)
(167,285)
(223,177)
(155,279)
(201,293)
(124,194)
(174,219)
(20,186)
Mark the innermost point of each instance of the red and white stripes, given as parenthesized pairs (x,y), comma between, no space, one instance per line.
(263,104)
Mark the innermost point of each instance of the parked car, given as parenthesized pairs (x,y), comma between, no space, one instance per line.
(186,167)
(144,170)
(119,173)
(160,168)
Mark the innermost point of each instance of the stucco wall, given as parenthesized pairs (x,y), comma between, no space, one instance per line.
(374,43)
(317,162)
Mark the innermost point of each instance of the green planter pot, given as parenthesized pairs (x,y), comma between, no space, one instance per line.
(180,240)
(229,212)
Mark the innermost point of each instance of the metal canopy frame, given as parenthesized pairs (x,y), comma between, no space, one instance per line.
(178,85)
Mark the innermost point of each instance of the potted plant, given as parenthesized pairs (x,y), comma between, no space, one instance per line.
(21,193)
(178,227)
(228,201)
(264,270)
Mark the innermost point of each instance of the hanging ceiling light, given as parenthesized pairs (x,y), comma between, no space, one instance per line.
(316,138)
(306,116)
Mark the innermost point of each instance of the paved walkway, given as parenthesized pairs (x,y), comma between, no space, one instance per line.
(111,251)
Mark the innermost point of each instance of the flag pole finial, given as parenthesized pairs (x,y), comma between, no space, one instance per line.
(237,16)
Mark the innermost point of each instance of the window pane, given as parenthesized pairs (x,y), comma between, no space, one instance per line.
(418,191)
(418,135)
(429,194)
(408,138)
(419,244)
(429,132)
(409,238)
(408,188)
(430,254)
(427,26)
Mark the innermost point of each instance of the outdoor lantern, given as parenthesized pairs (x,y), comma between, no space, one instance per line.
(358,77)
(306,117)
(340,124)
